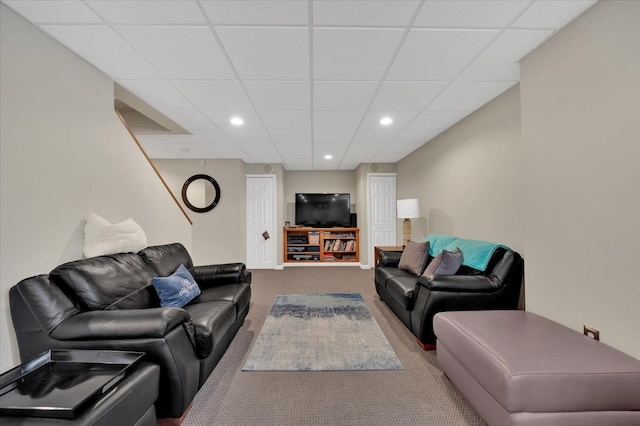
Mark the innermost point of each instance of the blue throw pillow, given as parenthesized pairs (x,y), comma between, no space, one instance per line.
(177,289)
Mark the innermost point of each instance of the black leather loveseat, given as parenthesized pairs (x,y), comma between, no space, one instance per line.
(108,302)
(416,299)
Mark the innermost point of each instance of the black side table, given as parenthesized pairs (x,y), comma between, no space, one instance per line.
(129,403)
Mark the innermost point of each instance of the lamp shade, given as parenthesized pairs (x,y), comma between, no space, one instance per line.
(409,208)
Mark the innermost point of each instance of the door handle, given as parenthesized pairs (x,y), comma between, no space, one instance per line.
(266,235)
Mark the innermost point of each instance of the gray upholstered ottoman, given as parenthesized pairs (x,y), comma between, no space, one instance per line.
(518,368)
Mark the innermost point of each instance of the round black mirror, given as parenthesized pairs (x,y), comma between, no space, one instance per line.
(201,193)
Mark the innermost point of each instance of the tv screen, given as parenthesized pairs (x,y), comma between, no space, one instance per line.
(322,210)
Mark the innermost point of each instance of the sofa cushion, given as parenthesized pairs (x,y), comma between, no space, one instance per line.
(239,294)
(445,263)
(387,272)
(414,257)
(211,320)
(102,237)
(165,259)
(403,290)
(100,282)
(177,289)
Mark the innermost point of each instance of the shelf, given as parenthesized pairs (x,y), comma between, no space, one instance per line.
(322,236)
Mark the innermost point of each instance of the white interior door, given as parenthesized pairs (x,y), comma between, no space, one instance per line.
(382,211)
(261,213)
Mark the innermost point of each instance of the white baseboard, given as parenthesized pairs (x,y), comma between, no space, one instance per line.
(296,264)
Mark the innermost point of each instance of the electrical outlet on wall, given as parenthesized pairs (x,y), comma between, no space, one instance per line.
(590,332)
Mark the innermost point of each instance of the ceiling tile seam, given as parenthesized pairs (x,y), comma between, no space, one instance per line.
(240,82)
(455,79)
(310,28)
(384,76)
(108,25)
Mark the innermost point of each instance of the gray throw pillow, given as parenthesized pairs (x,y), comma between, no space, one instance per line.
(414,257)
(445,263)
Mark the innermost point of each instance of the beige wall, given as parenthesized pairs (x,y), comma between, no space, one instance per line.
(581,137)
(338,181)
(64,154)
(469,179)
(219,235)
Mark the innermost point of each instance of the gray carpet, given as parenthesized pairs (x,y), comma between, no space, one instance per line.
(418,395)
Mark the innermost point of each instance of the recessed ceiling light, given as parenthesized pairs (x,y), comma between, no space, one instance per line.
(328,157)
(237,121)
(386,121)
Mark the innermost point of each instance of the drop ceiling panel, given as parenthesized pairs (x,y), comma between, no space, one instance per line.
(208,136)
(300,148)
(368,13)
(437,119)
(353,53)
(298,137)
(552,13)
(336,150)
(395,151)
(438,54)
(468,14)
(266,157)
(203,62)
(400,119)
(190,120)
(279,95)
(415,136)
(286,120)
(214,95)
(59,12)
(222,119)
(148,12)
(246,136)
(179,53)
(337,120)
(221,150)
(158,93)
(189,150)
(406,95)
(102,48)
(469,95)
(343,95)
(259,12)
(267,53)
(370,137)
(322,136)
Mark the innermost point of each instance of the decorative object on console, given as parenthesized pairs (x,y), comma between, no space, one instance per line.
(201,193)
(102,238)
(445,263)
(414,257)
(177,289)
(407,210)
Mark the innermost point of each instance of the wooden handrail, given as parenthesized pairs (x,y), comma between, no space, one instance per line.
(153,166)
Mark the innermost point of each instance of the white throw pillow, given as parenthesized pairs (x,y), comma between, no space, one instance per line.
(101,237)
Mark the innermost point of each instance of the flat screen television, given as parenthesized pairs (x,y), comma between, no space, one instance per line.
(322,210)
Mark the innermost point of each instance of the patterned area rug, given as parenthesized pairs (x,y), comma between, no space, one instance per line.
(312,332)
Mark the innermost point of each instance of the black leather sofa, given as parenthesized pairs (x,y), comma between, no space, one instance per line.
(108,302)
(415,300)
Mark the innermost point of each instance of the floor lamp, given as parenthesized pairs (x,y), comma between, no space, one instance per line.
(407,209)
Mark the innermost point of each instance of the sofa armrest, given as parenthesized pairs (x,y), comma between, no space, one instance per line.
(389,258)
(120,324)
(215,275)
(460,283)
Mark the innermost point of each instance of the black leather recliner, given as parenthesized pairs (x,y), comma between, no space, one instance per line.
(415,300)
(108,302)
